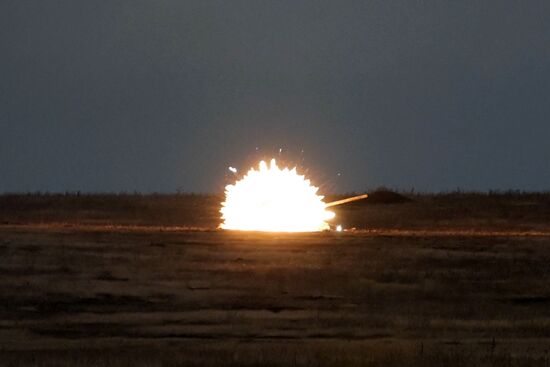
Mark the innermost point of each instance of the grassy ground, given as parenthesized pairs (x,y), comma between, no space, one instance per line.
(465,211)
(417,288)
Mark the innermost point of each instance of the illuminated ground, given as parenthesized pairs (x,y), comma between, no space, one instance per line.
(163,295)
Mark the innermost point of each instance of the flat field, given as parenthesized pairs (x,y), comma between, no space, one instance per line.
(456,280)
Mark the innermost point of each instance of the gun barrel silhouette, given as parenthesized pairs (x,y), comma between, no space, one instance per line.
(347,200)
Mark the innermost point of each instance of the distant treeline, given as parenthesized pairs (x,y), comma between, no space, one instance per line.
(408,193)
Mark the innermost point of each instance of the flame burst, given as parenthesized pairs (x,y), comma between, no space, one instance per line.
(274,200)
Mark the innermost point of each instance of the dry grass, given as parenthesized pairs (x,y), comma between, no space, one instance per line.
(109,291)
(511,211)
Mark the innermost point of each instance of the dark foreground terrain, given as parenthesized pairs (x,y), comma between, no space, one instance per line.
(436,281)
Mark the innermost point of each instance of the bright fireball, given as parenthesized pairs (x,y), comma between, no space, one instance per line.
(274,200)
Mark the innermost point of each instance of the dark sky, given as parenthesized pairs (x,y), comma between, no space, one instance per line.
(162,95)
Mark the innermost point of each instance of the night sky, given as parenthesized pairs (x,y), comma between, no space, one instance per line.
(164,95)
